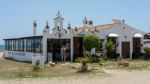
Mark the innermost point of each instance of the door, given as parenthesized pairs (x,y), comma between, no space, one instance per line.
(126,49)
(57,44)
(78,47)
(136,45)
(49,50)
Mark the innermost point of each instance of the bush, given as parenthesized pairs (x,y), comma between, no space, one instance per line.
(83,60)
(147,53)
(119,59)
(95,59)
(110,47)
(147,49)
(88,59)
(37,67)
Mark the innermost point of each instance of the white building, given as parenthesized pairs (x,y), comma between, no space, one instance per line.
(128,40)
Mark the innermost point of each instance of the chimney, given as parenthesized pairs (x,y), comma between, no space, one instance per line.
(118,21)
(34,28)
(87,23)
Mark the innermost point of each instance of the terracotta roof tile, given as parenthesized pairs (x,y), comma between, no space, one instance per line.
(98,28)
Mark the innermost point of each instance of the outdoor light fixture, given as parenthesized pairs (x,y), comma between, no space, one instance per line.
(141,45)
(125,36)
(59,35)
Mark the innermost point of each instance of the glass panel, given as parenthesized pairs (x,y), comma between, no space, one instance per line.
(28,44)
(34,44)
(38,45)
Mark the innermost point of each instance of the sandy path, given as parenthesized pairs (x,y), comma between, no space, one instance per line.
(1,55)
(117,77)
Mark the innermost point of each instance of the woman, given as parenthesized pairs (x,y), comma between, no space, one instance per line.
(63,53)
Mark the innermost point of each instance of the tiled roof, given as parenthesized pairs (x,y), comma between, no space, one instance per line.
(97,28)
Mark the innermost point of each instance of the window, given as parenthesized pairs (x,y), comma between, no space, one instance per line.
(38,45)
(29,45)
(14,45)
(21,44)
(34,45)
(6,44)
(10,45)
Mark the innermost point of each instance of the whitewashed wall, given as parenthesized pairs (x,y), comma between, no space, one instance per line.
(55,35)
(122,32)
(21,56)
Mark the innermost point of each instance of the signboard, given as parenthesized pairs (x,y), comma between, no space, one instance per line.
(16,53)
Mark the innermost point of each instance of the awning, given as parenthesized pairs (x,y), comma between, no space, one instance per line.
(113,35)
(137,35)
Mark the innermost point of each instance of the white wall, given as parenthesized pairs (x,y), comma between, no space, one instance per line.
(21,56)
(128,31)
(55,35)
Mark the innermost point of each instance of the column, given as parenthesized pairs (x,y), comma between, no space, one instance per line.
(131,48)
(71,53)
(142,44)
(45,47)
(119,47)
(25,47)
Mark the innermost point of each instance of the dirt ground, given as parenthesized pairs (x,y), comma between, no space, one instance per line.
(1,54)
(116,77)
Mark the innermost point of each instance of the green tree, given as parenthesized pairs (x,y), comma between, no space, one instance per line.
(91,41)
(110,47)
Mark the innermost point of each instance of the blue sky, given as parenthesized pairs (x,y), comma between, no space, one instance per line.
(17,16)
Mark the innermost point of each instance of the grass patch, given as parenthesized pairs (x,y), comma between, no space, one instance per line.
(137,64)
(11,70)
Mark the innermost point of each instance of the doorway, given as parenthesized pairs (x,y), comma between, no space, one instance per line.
(126,49)
(78,47)
(136,45)
(54,48)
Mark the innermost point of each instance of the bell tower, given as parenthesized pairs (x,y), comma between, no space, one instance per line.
(58,21)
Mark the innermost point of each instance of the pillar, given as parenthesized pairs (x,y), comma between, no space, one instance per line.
(44,47)
(131,48)
(71,58)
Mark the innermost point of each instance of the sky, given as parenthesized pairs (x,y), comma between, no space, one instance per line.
(17,16)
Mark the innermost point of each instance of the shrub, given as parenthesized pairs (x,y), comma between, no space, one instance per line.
(147,53)
(88,59)
(37,67)
(83,60)
(95,59)
(110,47)
(147,49)
(119,58)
